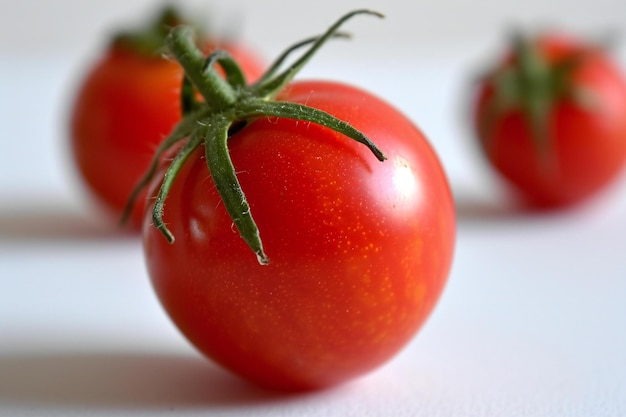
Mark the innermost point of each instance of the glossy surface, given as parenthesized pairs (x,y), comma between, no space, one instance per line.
(359,249)
(529,324)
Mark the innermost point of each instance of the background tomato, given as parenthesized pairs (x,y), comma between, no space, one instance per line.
(359,249)
(581,145)
(127,103)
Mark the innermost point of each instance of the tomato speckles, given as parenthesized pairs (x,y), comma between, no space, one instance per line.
(359,253)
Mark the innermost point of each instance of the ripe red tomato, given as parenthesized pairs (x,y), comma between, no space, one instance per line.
(572,143)
(360,249)
(127,103)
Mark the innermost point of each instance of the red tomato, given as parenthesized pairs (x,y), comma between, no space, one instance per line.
(360,249)
(125,106)
(583,145)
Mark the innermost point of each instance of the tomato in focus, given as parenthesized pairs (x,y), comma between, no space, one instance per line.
(359,249)
(127,103)
(583,144)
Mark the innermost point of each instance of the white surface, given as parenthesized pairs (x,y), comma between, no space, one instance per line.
(532,323)
(62,25)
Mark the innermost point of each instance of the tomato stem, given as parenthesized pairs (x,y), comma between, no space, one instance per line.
(215,90)
(150,40)
(229,102)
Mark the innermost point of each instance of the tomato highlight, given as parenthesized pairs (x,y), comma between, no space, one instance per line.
(352,224)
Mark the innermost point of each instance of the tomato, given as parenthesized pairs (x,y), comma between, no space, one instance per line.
(360,250)
(569,144)
(126,104)
(340,197)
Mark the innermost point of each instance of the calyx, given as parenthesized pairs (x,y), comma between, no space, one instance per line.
(229,102)
(533,84)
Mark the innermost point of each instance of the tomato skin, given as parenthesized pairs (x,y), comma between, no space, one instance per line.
(359,249)
(127,103)
(587,147)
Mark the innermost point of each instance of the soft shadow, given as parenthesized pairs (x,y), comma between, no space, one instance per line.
(131,381)
(475,208)
(36,223)
(480,210)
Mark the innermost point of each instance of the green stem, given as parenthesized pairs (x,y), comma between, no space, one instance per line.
(272,87)
(188,101)
(216,91)
(234,74)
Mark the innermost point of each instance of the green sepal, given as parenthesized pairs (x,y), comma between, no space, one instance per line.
(223,173)
(269,88)
(195,140)
(278,63)
(534,86)
(181,131)
(230,102)
(304,113)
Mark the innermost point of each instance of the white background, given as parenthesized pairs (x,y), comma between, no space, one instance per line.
(533,322)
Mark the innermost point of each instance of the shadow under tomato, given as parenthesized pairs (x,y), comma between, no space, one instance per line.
(481,210)
(476,208)
(40,223)
(116,380)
